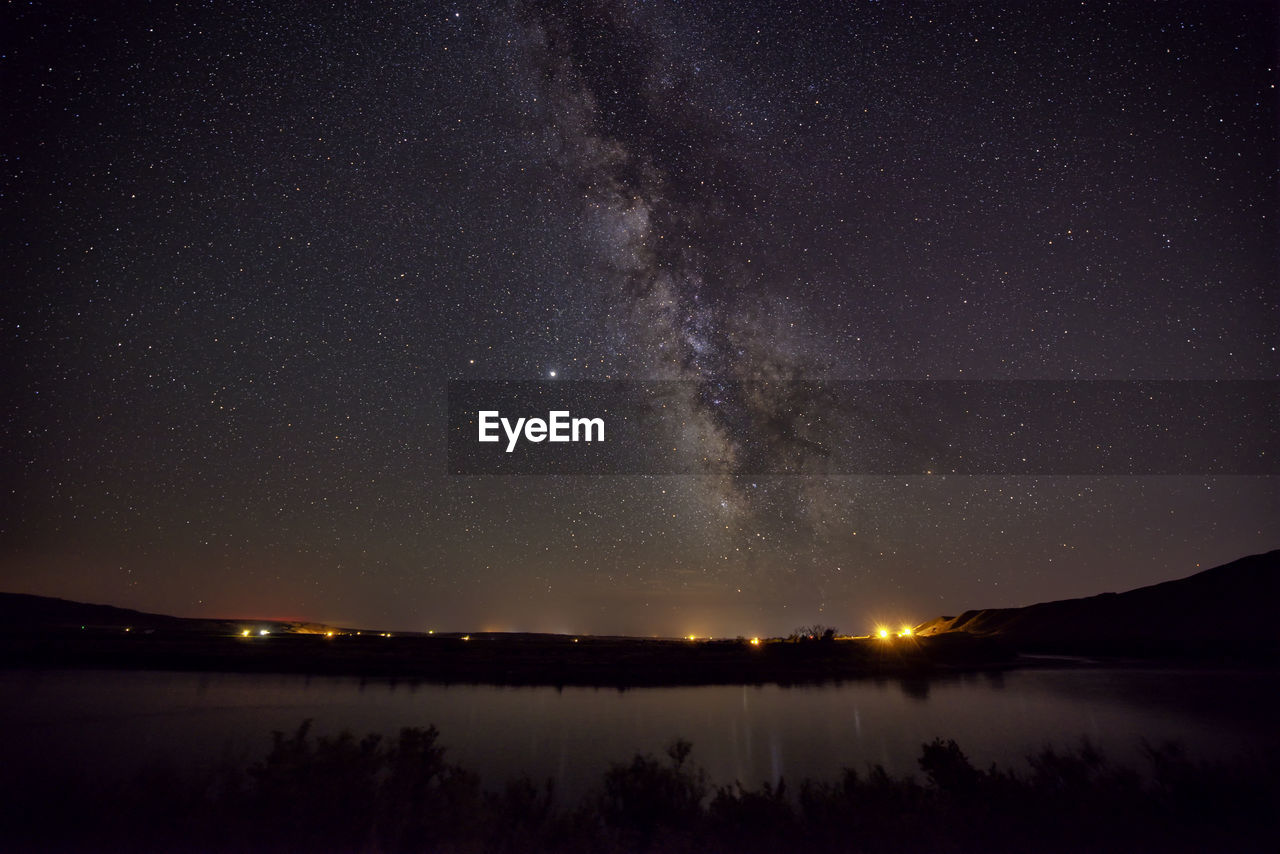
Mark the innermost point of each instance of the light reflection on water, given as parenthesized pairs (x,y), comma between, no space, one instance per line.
(108,723)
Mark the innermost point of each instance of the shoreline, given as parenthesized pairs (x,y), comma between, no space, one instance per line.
(563,661)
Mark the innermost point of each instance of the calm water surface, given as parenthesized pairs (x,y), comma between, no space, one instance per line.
(111,724)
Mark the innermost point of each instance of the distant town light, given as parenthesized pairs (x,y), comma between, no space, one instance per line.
(245,633)
(883,633)
(755,641)
(262,632)
(905,633)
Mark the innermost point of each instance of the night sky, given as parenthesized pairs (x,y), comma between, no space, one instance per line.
(247,245)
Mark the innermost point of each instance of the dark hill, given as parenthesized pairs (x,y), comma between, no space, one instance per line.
(21,609)
(24,611)
(1229,607)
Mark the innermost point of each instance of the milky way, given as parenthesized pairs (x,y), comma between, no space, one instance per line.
(671,207)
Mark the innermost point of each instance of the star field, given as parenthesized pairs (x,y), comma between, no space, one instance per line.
(247,245)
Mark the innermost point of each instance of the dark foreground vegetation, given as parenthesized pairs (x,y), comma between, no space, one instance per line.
(347,794)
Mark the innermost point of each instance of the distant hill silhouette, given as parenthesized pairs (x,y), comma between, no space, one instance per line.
(1232,606)
(21,609)
(24,611)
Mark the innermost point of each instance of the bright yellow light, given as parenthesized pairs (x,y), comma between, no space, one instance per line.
(328,634)
(245,633)
(883,633)
(755,641)
(693,637)
(262,632)
(905,633)
(466,637)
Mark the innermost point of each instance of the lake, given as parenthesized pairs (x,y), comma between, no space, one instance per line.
(110,724)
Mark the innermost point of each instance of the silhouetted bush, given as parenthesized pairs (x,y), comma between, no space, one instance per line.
(948,769)
(745,821)
(816,632)
(314,794)
(647,800)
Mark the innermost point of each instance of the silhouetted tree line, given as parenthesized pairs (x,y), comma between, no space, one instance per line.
(816,632)
(343,794)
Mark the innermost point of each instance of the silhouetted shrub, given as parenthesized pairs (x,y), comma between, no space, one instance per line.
(522,812)
(747,821)
(424,802)
(948,769)
(647,800)
(314,793)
